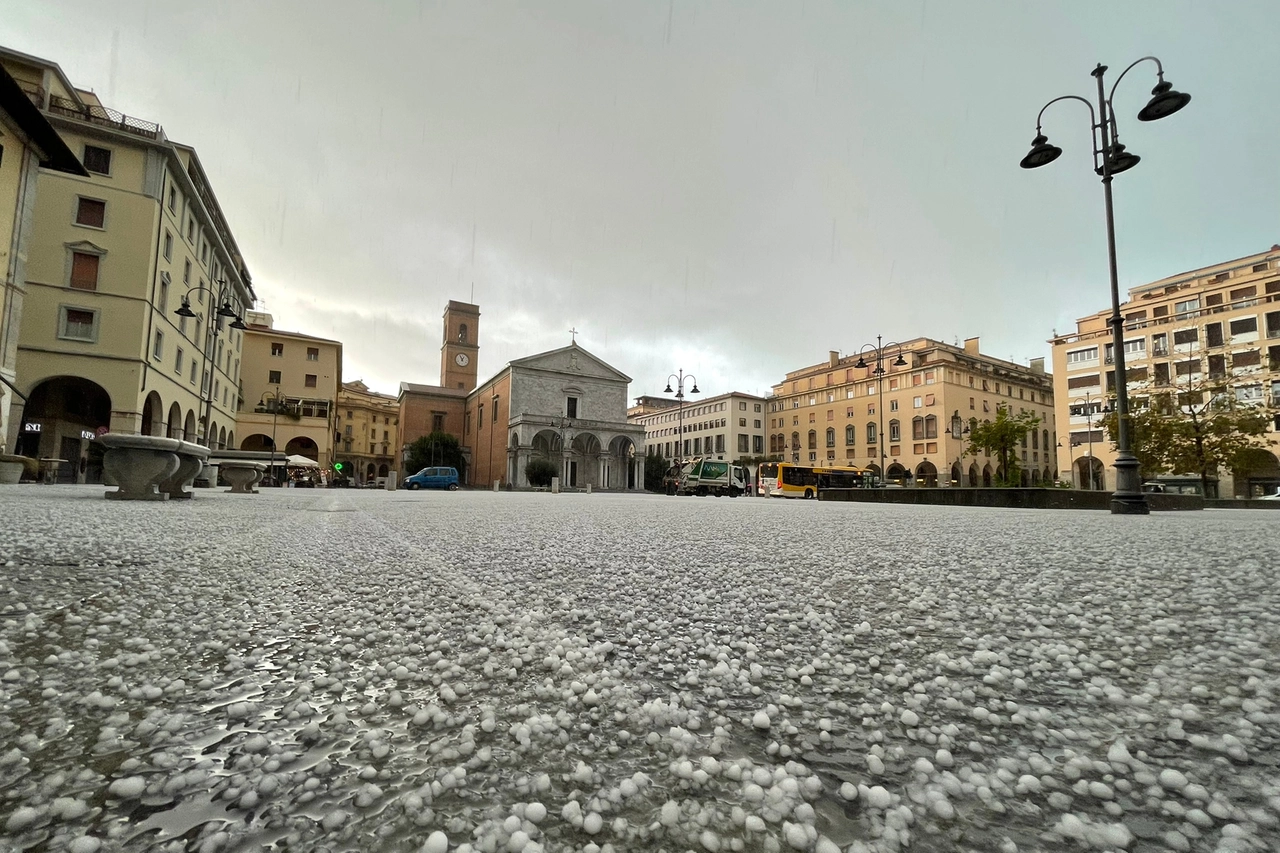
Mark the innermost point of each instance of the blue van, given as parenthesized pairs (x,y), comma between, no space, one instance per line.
(433,478)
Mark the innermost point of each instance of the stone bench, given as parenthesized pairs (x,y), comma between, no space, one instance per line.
(242,474)
(149,467)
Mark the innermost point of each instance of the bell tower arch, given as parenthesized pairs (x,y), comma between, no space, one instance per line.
(461,347)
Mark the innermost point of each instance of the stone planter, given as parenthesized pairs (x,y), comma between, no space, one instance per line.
(243,475)
(10,472)
(139,464)
(191,459)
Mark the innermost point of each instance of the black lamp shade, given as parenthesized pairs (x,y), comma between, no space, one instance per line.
(667,390)
(1165,100)
(226,310)
(1121,160)
(901,362)
(861,363)
(237,323)
(185,310)
(1041,153)
(695,389)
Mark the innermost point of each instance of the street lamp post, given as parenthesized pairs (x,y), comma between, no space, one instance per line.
(221,297)
(680,376)
(879,348)
(1110,158)
(276,397)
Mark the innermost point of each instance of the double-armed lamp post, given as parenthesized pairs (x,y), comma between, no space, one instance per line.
(879,348)
(222,298)
(680,376)
(1111,158)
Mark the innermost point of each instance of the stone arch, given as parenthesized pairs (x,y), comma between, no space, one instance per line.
(189,425)
(256,441)
(152,411)
(1035,476)
(956,474)
(1257,474)
(547,444)
(618,470)
(1081,467)
(896,473)
(973,475)
(222,438)
(383,470)
(231,438)
(370,472)
(1047,477)
(1024,478)
(927,474)
(987,475)
(174,422)
(874,469)
(65,407)
(213,436)
(303,445)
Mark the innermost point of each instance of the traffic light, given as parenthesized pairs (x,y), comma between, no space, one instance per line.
(337,466)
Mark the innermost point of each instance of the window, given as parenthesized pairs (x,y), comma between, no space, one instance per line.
(971,403)
(917,402)
(813,440)
(157,346)
(177,363)
(273,377)
(313,353)
(1213,335)
(742,422)
(168,246)
(719,443)
(91,212)
(495,410)
(1188,305)
(757,422)
(1079,356)
(571,407)
(895,431)
(871,408)
(1248,358)
(757,444)
(871,433)
(893,405)
(697,445)
(742,442)
(1244,326)
(84,271)
(1160,344)
(850,434)
(310,380)
(97,159)
(186,271)
(931,427)
(191,230)
(1244,293)
(437,421)
(480,417)
(831,437)
(162,299)
(193,371)
(173,198)
(917,428)
(78,324)
(1186,336)
(277,349)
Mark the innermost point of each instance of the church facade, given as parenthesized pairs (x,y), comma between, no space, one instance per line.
(565,405)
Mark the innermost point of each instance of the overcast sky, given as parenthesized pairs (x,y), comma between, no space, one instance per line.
(729,188)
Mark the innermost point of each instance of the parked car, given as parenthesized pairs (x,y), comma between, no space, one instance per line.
(433,478)
(1275,497)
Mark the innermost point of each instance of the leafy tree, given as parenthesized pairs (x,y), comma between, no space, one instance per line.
(1001,438)
(1198,429)
(655,468)
(539,471)
(439,449)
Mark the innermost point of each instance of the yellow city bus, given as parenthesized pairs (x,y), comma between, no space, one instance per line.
(786,480)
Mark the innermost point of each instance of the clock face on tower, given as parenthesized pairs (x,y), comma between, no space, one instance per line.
(461,359)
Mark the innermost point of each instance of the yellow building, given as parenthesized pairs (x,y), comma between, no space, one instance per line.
(111,256)
(303,373)
(368,428)
(1216,325)
(911,421)
(27,143)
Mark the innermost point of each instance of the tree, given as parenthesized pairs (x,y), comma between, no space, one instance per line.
(539,472)
(1196,429)
(439,449)
(655,468)
(1001,438)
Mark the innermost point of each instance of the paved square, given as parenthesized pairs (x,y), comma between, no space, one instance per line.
(342,670)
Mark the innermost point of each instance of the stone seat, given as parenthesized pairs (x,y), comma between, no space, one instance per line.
(191,461)
(138,464)
(242,474)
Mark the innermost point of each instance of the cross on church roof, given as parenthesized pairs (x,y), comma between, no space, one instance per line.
(573,333)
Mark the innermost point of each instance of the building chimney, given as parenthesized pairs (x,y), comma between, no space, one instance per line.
(1037,365)
(835,357)
(971,346)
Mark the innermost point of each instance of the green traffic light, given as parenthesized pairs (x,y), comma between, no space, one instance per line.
(337,466)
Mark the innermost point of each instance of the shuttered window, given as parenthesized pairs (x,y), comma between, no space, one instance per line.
(84,271)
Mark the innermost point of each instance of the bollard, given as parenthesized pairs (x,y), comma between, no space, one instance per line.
(496,484)
(555,485)
(391,481)
(588,488)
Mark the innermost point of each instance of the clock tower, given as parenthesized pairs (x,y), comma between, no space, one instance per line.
(461,346)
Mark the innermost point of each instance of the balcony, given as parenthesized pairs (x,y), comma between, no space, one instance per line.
(103,117)
(33,91)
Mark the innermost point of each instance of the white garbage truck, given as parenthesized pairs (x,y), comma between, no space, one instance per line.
(712,477)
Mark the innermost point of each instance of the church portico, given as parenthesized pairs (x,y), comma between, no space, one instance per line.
(599,454)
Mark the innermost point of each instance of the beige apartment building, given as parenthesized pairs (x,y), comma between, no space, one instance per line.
(301,372)
(726,426)
(368,427)
(111,256)
(28,143)
(1218,325)
(911,422)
